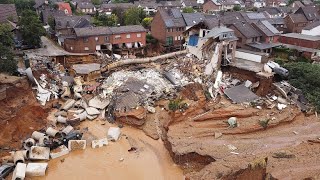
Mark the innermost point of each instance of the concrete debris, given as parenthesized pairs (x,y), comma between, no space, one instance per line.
(99,103)
(99,143)
(28,143)
(19,172)
(151,109)
(240,94)
(82,116)
(217,135)
(37,135)
(61,113)
(92,111)
(18,157)
(92,117)
(58,152)
(77,144)
(39,153)
(61,119)
(68,104)
(232,147)
(53,132)
(36,169)
(114,133)
(232,122)
(67,130)
(281,106)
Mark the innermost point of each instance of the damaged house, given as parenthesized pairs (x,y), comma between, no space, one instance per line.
(123,39)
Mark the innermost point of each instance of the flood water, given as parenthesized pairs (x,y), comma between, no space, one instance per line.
(150,161)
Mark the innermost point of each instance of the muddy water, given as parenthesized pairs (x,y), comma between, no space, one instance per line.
(150,161)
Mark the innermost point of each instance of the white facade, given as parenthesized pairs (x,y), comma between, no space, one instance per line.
(313,32)
(259,4)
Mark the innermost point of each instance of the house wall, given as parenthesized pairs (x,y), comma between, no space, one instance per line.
(294,27)
(313,32)
(133,38)
(300,42)
(241,39)
(209,6)
(272,39)
(79,45)
(158,28)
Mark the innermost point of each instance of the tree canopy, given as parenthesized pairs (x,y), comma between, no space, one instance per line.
(134,16)
(146,22)
(20,4)
(105,20)
(7,62)
(305,76)
(31,28)
(188,10)
(237,8)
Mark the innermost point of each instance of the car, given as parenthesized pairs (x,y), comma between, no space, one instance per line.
(5,170)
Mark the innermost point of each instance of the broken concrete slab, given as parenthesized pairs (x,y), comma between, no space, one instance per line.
(76,144)
(98,102)
(19,172)
(43,140)
(61,113)
(217,135)
(92,117)
(75,111)
(82,116)
(67,130)
(58,152)
(114,133)
(36,169)
(68,104)
(99,143)
(151,109)
(92,111)
(39,153)
(53,132)
(18,157)
(28,143)
(37,135)
(240,94)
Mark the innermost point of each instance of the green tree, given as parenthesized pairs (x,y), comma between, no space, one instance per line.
(120,14)
(146,22)
(96,2)
(188,10)
(305,76)
(31,28)
(237,8)
(7,63)
(105,20)
(51,22)
(134,16)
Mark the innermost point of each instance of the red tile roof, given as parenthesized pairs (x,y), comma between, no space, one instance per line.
(65,7)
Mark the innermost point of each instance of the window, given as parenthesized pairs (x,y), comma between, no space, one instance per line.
(138,35)
(169,41)
(224,35)
(175,38)
(128,36)
(71,48)
(177,29)
(106,39)
(85,39)
(168,30)
(97,38)
(117,37)
(86,48)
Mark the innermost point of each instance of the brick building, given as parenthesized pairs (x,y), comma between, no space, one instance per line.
(92,39)
(212,6)
(167,27)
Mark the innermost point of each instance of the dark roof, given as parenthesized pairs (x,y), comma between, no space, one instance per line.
(266,28)
(310,12)
(212,22)
(229,2)
(270,10)
(297,4)
(229,18)
(246,29)
(191,3)
(276,21)
(8,12)
(72,22)
(127,29)
(149,4)
(193,18)
(170,4)
(297,18)
(92,31)
(312,25)
(172,17)
(38,3)
(46,13)
(85,5)
(117,5)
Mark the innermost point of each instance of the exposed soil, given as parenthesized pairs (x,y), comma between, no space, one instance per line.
(20,116)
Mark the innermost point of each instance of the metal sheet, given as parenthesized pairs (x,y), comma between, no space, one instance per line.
(240,94)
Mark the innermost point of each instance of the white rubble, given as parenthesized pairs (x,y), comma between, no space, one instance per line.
(19,172)
(76,144)
(114,133)
(36,169)
(98,102)
(99,143)
(60,151)
(39,153)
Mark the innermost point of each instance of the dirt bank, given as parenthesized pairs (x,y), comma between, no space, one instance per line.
(20,116)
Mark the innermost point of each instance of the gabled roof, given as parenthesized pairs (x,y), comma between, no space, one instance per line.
(193,18)
(47,12)
(8,12)
(246,29)
(212,22)
(149,4)
(298,18)
(117,5)
(191,3)
(310,12)
(72,22)
(266,28)
(217,31)
(38,3)
(85,5)
(228,2)
(127,29)
(312,25)
(170,3)
(302,36)
(172,18)
(92,31)
(65,6)
(228,18)
(270,10)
